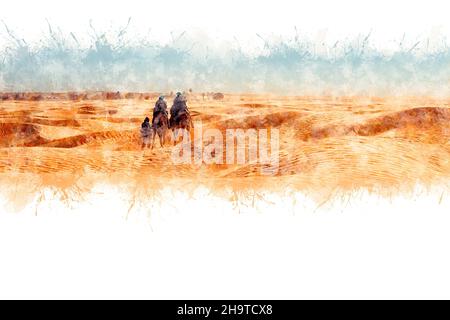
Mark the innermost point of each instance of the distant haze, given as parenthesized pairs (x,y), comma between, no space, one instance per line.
(348,48)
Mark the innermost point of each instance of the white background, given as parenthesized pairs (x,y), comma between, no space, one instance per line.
(201,247)
(387,20)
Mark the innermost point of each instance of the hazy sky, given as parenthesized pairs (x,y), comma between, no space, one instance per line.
(224,46)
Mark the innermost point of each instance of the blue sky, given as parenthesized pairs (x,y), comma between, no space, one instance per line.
(291,47)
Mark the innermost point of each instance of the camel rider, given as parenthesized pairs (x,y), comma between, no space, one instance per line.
(160,107)
(179,105)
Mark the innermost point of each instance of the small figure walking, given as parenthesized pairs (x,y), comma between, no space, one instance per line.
(146,133)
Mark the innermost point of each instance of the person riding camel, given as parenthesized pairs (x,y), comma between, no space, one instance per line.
(179,106)
(160,107)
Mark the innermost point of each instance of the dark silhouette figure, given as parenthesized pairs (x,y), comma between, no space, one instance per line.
(146,133)
(160,107)
(180,118)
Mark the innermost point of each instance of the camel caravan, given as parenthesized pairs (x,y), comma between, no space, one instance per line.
(179,122)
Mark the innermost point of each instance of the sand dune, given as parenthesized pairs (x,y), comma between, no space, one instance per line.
(326,143)
(415,119)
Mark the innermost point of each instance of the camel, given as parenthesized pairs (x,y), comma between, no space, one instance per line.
(182,121)
(160,127)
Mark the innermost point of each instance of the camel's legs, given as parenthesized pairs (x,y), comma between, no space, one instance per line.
(160,139)
(153,138)
(175,137)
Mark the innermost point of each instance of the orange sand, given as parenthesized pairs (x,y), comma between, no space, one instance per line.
(326,144)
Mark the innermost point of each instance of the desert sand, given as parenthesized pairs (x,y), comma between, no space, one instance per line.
(327,144)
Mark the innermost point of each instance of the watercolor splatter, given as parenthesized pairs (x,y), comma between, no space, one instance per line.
(349,116)
(116,60)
